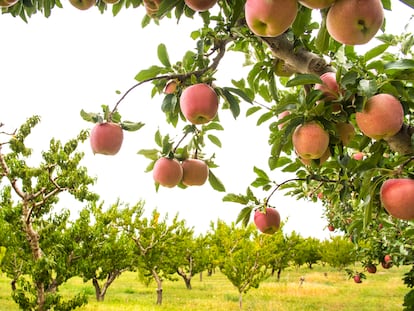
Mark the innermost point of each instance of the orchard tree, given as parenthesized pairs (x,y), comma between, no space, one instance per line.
(338,252)
(346,127)
(35,236)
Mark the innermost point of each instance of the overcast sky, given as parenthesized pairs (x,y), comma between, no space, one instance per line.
(78,60)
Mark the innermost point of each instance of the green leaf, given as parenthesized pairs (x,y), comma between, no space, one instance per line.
(260,173)
(149,73)
(152,154)
(264,117)
(236,198)
(163,55)
(322,38)
(233,103)
(376,51)
(244,216)
(215,140)
(399,65)
(131,126)
(91,116)
(239,93)
(302,79)
(410,3)
(215,182)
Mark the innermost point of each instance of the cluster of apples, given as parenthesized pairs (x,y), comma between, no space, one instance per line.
(169,172)
(363,19)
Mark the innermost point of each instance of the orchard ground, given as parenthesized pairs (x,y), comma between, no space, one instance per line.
(323,288)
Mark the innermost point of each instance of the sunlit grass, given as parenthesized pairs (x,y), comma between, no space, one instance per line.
(324,289)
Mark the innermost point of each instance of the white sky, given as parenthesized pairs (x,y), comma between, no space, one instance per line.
(77,60)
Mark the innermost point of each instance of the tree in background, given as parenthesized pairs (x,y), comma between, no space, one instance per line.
(338,252)
(354,105)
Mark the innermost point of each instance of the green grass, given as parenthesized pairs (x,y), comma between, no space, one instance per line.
(324,289)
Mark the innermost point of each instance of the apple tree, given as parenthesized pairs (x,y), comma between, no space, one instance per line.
(338,115)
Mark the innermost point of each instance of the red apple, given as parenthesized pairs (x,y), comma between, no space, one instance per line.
(331,228)
(317,4)
(329,87)
(371,268)
(397,197)
(382,117)
(354,22)
(267,222)
(199,103)
(357,278)
(167,172)
(200,5)
(358,156)
(171,87)
(310,141)
(106,138)
(281,116)
(195,172)
(386,263)
(7,3)
(83,4)
(270,18)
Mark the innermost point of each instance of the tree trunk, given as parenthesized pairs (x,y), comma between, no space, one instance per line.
(240,301)
(97,290)
(101,292)
(279,272)
(201,276)
(159,286)
(187,279)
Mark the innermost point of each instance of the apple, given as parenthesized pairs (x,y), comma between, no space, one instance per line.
(167,172)
(310,140)
(346,132)
(267,222)
(270,18)
(199,103)
(200,5)
(7,3)
(371,268)
(354,22)
(171,87)
(195,172)
(397,197)
(382,117)
(329,86)
(331,228)
(281,116)
(152,6)
(317,4)
(83,4)
(106,138)
(358,156)
(357,278)
(386,263)
(320,195)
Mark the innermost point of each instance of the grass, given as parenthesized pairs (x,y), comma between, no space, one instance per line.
(324,289)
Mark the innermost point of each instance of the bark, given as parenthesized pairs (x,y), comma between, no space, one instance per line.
(158,280)
(101,292)
(186,278)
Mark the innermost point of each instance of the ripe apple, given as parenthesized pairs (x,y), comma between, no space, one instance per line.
(316,4)
(346,132)
(83,4)
(354,22)
(310,140)
(357,278)
(386,263)
(371,268)
(152,6)
(281,116)
(7,3)
(200,5)
(382,117)
(106,138)
(167,172)
(195,172)
(329,87)
(199,103)
(267,222)
(331,228)
(270,18)
(171,87)
(397,197)
(358,156)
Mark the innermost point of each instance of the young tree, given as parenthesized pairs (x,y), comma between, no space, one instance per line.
(35,237)
(338,252)
(345,100)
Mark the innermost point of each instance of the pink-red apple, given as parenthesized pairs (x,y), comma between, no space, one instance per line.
(354,22)
(267,222)
(317,4)
(329,86)
(106,138)
(331,228)
(83,4)
(200,5)
(171,87)
(199,103)
(357,278)
(195,172)
(397,197)
(270,18)
(310,140)
(281,116)
(386,262)
(346,132)
(371,268)
(358,156)
(167,172)
(382,117)
(7,3)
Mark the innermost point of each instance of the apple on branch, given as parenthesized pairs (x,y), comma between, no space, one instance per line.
(267,221)
(200,5)
(83,4)
(167,172)
(397,197)
(195,172)
(310,140)
(317,4)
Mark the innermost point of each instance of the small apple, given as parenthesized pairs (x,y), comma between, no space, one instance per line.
(281,116)
(371,268)
(357,278)
(329,86)
(354,22)
(200,5)
(397,197)
(381,118)
(7,3)
(83,4)
(317,4)
(310,141)
(171,87)
(267,222)
(199,103)
(106,138)
(386,263)
(270,18)
(195,172)
(331,228)
(167,172)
